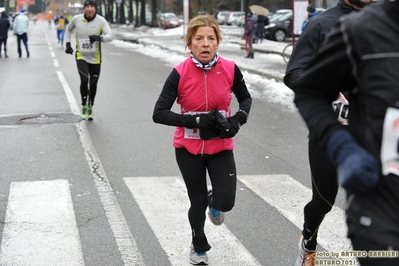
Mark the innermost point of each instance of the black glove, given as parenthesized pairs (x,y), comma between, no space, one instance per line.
(201,121)
(358,171)
(94,38)
(234,124)
(68,49)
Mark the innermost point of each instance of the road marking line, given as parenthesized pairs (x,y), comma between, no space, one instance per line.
(40,226)
(164,203)
(123,237)
(68,92)
(289,197)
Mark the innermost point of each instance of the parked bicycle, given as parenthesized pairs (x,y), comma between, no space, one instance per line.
(287,52)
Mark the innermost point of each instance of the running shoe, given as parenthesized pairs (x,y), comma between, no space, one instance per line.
(83,115)
(90,112)
(306,257)
(198,258)
(215,216)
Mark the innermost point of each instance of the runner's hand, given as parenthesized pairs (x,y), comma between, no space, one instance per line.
(94,38)
(358,171)
(68,49)
(201,121)
(234,124)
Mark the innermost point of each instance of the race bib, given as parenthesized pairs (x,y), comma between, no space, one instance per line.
(341,109)
(390,143)
(85,46)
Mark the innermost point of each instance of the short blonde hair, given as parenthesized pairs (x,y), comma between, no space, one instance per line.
(202,21)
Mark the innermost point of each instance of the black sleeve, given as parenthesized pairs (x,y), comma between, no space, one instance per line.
(240,91)
(162,111)
(327,75)
(305,49)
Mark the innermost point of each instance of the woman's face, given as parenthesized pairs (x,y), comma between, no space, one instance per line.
(204,44)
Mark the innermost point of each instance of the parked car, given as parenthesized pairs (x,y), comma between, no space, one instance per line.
(236,18)
(280,26)
(168,21)
(221,17)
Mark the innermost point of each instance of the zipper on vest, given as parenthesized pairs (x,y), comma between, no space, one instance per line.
(206,106)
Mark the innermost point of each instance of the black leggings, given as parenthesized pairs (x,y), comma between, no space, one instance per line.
(324,192)
(222,173)
(3,41)
(88,72)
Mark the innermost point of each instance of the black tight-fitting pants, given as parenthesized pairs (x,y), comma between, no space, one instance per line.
(222,173)
(88,72)
(324,192)
(3,41)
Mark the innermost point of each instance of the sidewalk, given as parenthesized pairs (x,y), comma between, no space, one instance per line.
(131,34)
(270,65)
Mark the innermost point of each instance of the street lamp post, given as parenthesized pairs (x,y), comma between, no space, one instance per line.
(118,14)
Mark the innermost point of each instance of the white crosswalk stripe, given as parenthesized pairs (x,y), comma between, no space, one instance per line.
(40,214)
(164,203)
(289,197)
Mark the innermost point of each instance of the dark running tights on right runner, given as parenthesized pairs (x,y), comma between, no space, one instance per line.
(324,192)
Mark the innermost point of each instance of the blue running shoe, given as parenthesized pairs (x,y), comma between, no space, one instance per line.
(215,216)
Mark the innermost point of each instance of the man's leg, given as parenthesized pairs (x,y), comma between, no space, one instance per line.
(94,75)
(19,38)
(25,41)
(324,192)
(62,33)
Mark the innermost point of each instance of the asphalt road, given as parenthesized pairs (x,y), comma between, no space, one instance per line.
(109,192)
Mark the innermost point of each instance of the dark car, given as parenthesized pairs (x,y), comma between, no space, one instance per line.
(280,25)
(168,21)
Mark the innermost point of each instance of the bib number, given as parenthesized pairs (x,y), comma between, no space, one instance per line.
(341,108)
(390,143)
(86,46)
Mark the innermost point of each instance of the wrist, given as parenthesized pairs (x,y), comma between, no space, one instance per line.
(244,112)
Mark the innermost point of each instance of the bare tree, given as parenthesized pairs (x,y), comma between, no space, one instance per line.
(142,12)
(136,23)
(154,13)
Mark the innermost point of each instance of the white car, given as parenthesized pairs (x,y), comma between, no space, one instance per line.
(221,17)
(236,18)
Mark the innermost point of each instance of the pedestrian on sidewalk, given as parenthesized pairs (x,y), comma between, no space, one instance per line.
(20,28)
(91,30)
(205,128)
(365,153)
(249,34)
(323,173)
(311,12)
(261,22)
(4,28)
